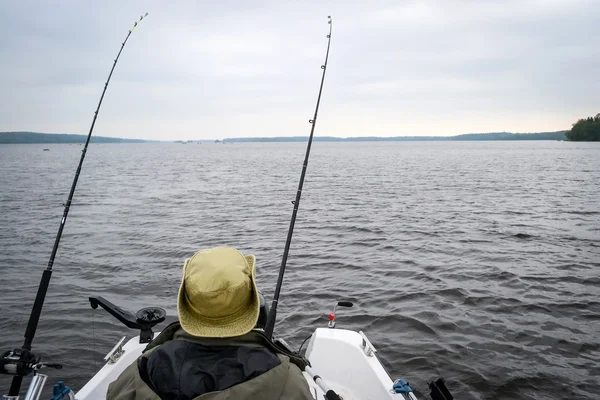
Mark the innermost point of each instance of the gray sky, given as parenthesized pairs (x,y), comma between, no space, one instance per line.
(216,69)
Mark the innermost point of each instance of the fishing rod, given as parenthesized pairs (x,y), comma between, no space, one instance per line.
(21,362)
(270,325)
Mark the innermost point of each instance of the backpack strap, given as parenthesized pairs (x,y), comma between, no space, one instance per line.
(295,358)
(169,332)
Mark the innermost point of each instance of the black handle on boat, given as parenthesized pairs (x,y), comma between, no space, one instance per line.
(439,391)
(36,311)
(157,315)
(144,320)
(273,311)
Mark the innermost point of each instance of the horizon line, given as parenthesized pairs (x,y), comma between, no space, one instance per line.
(283,137)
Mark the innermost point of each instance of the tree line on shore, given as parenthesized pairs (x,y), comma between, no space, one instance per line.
(585,130)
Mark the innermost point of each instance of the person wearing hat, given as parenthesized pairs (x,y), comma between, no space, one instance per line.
(214,351)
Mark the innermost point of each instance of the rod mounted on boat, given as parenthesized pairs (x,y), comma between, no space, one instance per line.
(273,311)
(23,365)
(329,393)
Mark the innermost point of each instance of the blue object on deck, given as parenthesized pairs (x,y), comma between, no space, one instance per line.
(401,386)
(60,390)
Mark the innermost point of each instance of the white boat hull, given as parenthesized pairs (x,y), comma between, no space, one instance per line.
(349,365)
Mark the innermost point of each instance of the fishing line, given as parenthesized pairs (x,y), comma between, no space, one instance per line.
(94,339)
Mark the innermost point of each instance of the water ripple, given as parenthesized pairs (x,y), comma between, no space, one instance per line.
(475,261)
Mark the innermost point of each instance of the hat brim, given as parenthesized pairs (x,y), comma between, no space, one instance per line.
(240,323)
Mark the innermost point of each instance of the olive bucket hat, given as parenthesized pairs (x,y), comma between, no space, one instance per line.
(218,295)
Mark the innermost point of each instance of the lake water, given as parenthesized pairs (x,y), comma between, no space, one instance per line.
(476,261)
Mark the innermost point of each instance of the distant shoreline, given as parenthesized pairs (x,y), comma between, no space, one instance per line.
(56,138)
(559,135)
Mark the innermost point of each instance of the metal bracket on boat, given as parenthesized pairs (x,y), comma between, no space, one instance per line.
(116,352)
(366,345)
(36,386)
(331,323)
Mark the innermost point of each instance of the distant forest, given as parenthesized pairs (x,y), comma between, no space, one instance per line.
(585,130)
(34,137)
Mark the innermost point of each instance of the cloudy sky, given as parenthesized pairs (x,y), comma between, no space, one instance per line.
(217,69)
